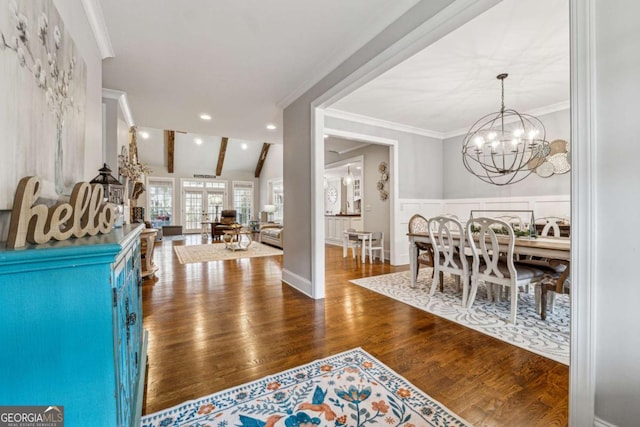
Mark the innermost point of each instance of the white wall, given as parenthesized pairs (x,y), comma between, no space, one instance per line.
(76,23)
(116,133)
(271,170)
(617,177)
(460,183)
(420,157)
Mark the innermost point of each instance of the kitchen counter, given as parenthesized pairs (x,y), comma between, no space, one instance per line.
(335,225)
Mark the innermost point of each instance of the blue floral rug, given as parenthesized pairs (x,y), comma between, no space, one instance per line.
(348,389)
(549,338)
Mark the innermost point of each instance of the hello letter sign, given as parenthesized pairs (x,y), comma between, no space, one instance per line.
(85,214)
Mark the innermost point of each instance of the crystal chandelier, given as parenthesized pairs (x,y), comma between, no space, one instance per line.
(505,147)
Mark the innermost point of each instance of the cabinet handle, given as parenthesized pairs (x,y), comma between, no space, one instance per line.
(131,319)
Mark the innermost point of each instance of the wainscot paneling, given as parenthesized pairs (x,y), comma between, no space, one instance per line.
(542,206)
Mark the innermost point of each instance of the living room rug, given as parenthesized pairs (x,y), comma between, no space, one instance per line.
(217,251)
(549,338)
(347,389)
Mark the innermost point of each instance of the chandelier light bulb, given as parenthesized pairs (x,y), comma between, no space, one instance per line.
(479,141)
(492,136)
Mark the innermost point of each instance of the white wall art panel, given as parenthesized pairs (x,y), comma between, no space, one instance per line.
(43,80)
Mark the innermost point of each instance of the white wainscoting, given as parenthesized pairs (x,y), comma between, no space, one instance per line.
(542,206)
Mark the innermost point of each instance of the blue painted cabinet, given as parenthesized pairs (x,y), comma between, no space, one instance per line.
(71,328)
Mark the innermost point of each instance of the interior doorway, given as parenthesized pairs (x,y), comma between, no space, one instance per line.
(372,212)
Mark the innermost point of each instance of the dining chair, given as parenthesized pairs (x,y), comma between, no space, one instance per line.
(448,241)
(553,226)
(513,221)
(550,286)
(353,242)
(490,267)
(559,281)
(424,254)
(550,226)
(375,243)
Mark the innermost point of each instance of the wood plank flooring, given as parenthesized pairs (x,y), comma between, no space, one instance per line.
(220,324)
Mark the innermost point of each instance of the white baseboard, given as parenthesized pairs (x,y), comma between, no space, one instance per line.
(298,282)
(597,422)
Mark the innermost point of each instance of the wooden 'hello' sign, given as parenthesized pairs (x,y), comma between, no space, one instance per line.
(85,214)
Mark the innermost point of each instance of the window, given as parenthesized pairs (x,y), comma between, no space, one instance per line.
(243,201)
(277,199)
(160,201)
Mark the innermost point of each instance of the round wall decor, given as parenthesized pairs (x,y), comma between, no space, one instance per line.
(383,168)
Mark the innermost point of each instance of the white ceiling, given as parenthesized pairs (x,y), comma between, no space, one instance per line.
(240,62)
(452,83)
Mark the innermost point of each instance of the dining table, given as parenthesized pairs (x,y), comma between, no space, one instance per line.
(364,236)
(552,248)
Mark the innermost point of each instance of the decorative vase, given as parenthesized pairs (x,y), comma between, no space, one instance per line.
(119,216)
(59,179)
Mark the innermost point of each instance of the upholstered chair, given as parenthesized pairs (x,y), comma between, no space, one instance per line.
(227,219)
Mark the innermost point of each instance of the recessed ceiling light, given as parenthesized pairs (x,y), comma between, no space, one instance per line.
(205,116)
(271,126)
(144,135)
(244,146)
(198,141)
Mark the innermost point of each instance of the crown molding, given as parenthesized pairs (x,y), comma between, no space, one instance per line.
(121,97)
(553,108)
(536,112)
(96,20)
(327,65)
(358,118)
(339,114)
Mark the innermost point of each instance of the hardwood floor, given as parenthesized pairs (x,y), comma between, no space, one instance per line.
(220,324)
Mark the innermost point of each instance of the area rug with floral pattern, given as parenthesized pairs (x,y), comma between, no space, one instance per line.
(549,338)
(347,389)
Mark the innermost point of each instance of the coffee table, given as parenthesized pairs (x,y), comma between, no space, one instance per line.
(237,239)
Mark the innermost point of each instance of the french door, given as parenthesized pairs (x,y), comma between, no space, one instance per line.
(201,199)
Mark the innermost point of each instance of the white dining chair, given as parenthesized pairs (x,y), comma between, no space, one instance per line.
(448,241)
(424,254)
(354,242)
(490,267)
(375,243)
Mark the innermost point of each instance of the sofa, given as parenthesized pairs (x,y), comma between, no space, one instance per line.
(272,235)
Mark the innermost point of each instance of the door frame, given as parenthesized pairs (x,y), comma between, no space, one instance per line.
(583,188)
(225,198)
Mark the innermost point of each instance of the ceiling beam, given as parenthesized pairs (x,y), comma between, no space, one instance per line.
(223,151)
(170,137)
(263,156)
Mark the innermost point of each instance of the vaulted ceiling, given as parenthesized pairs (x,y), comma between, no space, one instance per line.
(239,62)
